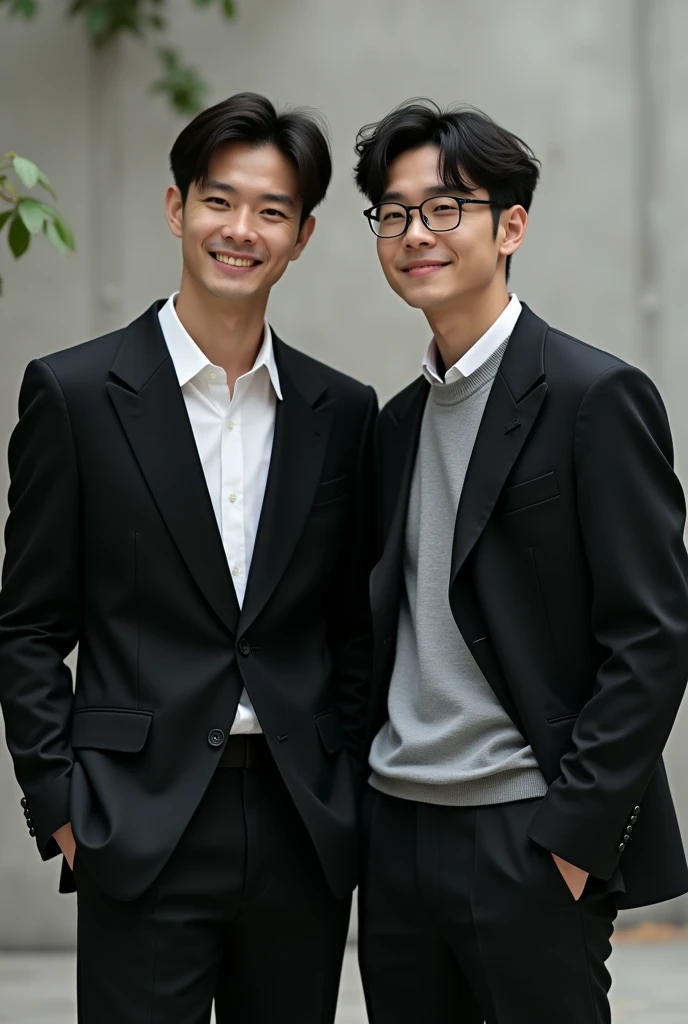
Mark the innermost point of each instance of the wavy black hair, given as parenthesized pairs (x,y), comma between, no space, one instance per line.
(474,152)
(298,133)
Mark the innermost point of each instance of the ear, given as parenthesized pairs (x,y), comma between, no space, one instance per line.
(512,230)
(304,237)
(174,207)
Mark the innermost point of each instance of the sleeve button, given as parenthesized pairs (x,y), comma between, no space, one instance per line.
(622,847)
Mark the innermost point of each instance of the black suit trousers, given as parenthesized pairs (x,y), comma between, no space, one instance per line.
(241,914)
(464,918)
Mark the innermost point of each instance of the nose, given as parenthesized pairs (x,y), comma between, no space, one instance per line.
(417,234)
(239,227)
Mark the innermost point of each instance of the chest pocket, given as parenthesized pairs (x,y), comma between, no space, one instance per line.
(331,490)
(531,492)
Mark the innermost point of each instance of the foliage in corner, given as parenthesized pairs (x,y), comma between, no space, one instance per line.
(107,20)
(28,216)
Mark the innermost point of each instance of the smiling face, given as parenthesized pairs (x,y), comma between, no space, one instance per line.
(434,270)
(242,227)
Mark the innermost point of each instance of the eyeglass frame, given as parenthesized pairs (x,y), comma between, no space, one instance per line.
(461,200)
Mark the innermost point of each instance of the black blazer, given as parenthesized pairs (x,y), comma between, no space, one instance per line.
(569,583)
(112,544)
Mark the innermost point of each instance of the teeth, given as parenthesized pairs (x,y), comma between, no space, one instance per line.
(230,261)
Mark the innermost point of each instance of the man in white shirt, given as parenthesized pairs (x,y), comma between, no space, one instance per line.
(190,504)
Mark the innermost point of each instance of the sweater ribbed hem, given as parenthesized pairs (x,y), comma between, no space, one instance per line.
(501,788)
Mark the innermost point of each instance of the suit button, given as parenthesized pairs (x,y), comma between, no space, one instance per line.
(23,802)
(32,831)
(629,828)
(27,812)
(622,847)
(244,646)
(29,822)
(216,737)
(636,810)
(634,818)
(626,838)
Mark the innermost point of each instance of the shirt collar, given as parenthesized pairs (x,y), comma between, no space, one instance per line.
(189,360)
(477,354)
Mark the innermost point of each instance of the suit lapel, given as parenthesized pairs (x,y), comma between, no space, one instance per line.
(302,431)
(398,449)
(148,400)
(513,405)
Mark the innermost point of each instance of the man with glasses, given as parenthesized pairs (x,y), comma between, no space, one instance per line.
(530,609)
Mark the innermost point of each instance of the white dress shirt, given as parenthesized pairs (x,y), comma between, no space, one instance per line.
(477,354)
(234,438)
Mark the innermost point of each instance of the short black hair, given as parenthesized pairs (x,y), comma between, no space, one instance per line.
(298,133)
(475,152)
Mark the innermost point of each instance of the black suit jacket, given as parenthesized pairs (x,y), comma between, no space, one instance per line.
(112,544)
(568,582)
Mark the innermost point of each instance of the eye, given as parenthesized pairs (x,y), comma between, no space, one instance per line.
(275,213)
(218,200)
(391,215)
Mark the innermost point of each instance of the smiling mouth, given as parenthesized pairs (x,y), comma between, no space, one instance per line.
(235,261)
(422,269)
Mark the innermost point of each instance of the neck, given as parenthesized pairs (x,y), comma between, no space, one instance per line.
(228,333)
(457,327)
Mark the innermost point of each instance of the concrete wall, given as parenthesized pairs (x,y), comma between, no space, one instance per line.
(598,90)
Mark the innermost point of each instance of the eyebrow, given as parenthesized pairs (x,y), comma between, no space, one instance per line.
(213,185)
(432,190)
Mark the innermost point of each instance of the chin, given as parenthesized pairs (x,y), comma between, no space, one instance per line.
(424,298)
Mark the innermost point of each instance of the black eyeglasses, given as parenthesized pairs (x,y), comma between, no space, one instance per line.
(439,213)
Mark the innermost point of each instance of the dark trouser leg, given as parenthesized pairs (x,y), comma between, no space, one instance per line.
(241,912)
(463,918)
(544,954)
(284,951)
(409,970)
(155,960)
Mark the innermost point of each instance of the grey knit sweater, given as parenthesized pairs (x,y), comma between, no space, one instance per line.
(447,740)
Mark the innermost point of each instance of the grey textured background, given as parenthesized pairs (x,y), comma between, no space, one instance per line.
(598,90)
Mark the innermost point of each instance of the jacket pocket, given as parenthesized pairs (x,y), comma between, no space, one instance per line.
(330,730)
(530,492)
(115,729)
(331,490)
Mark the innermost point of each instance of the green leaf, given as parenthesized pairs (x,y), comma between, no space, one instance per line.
(169,58)
(65,233)
(157,22)
(19,238)
(4,217)
(26,170)
(228,8)
(25,8)
(31,212)
(97,21)
(43,181)
(182,85)
(50,211)
(54,237)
